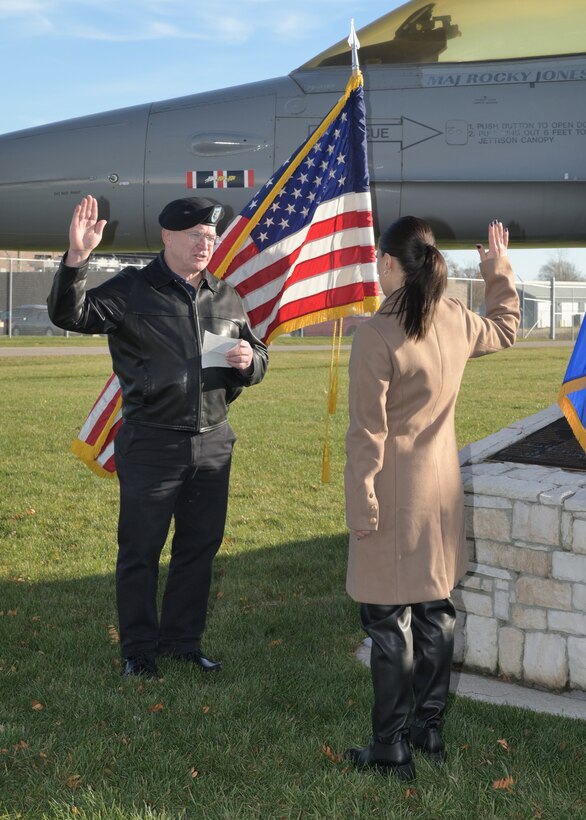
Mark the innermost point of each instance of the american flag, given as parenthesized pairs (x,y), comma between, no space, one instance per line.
(300,252)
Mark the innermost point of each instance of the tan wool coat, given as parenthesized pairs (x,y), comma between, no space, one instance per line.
(402,475)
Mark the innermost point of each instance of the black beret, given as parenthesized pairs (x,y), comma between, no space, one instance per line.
(185,213)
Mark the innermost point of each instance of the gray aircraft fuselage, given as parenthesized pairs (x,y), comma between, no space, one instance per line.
(456,144)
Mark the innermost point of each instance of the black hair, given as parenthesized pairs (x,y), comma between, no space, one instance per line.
(411,241)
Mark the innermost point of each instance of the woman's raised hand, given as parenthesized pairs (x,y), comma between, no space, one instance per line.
(498,241)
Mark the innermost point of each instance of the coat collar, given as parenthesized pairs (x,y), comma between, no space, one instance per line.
(159,274)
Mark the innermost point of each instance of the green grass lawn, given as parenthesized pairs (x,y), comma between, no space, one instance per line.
(264,738)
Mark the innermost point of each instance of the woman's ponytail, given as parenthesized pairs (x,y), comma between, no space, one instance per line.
(412,242)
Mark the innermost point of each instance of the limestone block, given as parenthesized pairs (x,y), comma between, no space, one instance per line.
(459,639)
(528,617)
(545,660)
(579,597)
(502,606)
(470,581)
(567,530)
(490,502)
(533,522)
(506,487)
(544,592)
(511,643)
(572,622)
(476,603)
(491,523)
(568,567)
(576,502)
(481,650)
(577,662)
(538,420)
(565,478)
(468,518)
(530,472)
(492,572)
(516,558)
(556,498)
(579,535)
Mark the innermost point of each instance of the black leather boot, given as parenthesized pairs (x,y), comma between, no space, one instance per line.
(391,758)
(428,740)
(391,667)
(432,626)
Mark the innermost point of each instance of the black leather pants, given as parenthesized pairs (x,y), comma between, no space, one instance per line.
(410,662)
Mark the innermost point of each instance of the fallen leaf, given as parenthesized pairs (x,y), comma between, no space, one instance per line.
(37,705)
(157,707)
(334,758)
(73,781)
(205,709)
(277,642)
(504,744)
(193,772)
(113,634)
(563,745)
(12,612)
(504,783)
(31,511)
(219,594)
(410,793)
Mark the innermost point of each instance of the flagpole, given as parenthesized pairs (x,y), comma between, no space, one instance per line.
(354,44)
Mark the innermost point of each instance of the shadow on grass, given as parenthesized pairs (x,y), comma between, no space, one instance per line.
(262,739)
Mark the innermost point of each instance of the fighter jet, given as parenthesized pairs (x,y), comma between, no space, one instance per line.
(475,110)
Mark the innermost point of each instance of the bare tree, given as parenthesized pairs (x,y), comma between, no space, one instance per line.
(559,268)
(461,271)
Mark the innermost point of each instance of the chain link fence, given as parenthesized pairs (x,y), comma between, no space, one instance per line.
(25,282)
(549,309)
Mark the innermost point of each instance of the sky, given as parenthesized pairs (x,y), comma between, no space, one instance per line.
(68,58)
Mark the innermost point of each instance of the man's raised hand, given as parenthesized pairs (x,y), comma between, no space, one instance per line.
(85,231)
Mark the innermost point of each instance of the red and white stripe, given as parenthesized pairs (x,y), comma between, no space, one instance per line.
(329,263)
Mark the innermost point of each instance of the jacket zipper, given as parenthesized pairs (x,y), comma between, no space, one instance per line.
(195,317)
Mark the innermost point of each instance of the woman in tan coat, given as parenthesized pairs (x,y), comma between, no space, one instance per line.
(404,498)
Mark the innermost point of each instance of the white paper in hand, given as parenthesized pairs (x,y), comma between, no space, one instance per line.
(215,348)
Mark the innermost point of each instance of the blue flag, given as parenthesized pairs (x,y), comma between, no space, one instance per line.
(572,397)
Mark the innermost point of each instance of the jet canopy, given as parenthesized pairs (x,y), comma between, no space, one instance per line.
(462,31)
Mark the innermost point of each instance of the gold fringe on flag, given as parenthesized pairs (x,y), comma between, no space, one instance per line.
(569,410)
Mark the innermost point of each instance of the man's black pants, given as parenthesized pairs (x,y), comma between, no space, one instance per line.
(166,474)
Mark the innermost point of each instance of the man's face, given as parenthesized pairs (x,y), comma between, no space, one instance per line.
(188,252)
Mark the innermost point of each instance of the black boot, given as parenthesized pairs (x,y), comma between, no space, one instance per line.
(391,758)
(391,666)
(432,626)
(428,740)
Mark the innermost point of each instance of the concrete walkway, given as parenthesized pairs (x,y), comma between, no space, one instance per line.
(79,350)
(491,690)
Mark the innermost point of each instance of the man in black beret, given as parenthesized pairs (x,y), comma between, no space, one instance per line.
(173,450)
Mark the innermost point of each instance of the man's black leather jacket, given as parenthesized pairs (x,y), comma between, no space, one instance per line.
(155,333)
